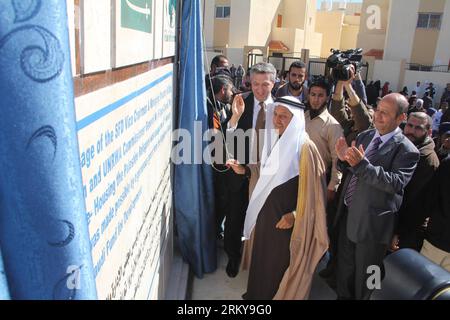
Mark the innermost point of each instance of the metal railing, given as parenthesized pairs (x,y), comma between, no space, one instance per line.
(421,67)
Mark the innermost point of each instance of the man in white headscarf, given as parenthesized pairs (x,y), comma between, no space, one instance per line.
(286,214)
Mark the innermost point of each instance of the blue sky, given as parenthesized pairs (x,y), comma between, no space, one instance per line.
(320,1)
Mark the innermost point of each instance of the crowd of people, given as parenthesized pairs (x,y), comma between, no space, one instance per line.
(331,166)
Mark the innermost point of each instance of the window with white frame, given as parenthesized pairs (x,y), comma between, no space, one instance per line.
(429,20)
(223,12)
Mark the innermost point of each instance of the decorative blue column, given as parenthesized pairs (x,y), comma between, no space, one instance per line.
(193,183)
(44,236)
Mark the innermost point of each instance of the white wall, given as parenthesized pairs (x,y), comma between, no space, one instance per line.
(292,38)
(439,80)
(208,22)
(388,71)
(263,14)
(235,55)
(294,12)
(239,23)
(71,25)
(350,8)
(401,29)
(443,46)
(368,41)
(95,36)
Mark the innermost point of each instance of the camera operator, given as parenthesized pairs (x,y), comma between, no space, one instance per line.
(353,123)
(359,119)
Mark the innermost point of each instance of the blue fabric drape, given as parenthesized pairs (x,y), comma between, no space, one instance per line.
(193,183)
(44,236)
(4,292)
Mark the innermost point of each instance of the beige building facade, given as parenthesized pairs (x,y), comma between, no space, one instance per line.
(407,41)
(339,26)
(236,27)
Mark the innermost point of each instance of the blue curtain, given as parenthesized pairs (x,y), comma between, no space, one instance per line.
(44,236)
(193,183)
(4,293)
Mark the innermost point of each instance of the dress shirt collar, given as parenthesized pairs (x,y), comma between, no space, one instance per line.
(385,138)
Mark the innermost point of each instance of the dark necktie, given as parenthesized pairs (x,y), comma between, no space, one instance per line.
(260,124)
(352,184)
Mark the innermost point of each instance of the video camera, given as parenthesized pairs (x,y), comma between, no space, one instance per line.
(340,63)
(223,71)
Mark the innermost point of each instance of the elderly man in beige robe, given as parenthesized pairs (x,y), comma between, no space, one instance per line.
(286,214)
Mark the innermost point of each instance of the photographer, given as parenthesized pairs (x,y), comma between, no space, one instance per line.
(359,119)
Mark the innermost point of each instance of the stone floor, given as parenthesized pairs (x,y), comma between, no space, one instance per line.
(218,286)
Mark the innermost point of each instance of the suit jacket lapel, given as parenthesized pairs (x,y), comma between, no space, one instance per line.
(388,146)
(247,117)
(367,139)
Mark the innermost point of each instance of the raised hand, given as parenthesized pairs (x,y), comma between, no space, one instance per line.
(354,155)
(238,106)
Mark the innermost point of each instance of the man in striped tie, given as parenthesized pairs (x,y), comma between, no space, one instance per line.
(377,167)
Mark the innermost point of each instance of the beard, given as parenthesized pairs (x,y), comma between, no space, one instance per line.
(416,141)
(295,86)
(315,112)
(227,100)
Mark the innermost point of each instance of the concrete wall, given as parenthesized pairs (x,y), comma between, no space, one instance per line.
(352,20)
(235,55)
(424,47)
(71,24)
(292,38)
(439,80)
(400,35)
(208,22)
(350,8)
(370,37)
(310,22)
(370,41)
(239,23)
(443,46)
(293,12)
(263,15)
(95,36)
(329,24)
(432,5)
(221,32)
(315,44)
(388,71)
(349,37)
(221,26)
(425,40)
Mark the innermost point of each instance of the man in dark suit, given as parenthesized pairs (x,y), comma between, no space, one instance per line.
(377,168)
(248,114)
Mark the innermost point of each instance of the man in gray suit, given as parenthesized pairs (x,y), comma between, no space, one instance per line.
(377,167)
